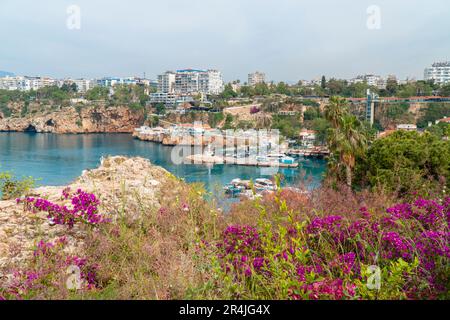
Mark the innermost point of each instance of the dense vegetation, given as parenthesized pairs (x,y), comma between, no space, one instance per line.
(406,161)
(331,244)
(344,88)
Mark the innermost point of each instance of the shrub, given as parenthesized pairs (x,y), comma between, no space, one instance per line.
(294,255)
(12,187)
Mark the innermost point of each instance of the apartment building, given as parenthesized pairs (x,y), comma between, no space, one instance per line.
(371,79)
(24,83)
(255,78)
(191,81)
(169,98)
(439,72)
(166,82)
(83,85)
(215,82)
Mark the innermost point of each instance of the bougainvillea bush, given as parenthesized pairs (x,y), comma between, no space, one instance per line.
(48,275)
(403,253)
(329,244)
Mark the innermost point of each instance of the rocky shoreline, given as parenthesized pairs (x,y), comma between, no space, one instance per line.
(88,119)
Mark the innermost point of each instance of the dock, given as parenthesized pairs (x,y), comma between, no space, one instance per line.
(208,159)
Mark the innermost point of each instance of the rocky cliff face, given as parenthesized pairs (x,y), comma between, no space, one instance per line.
(117,182)
(87,119)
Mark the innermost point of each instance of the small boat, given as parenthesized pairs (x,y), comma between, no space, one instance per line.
(262,184)
(287,160)
(233,189)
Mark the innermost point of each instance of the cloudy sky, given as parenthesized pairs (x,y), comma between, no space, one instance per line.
(287,39)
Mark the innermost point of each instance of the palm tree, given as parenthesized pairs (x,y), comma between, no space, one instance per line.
(335,110)
(347,141)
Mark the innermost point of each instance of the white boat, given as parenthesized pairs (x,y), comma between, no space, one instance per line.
(263,184)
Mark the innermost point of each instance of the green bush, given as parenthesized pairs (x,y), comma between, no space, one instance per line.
(12,187)
(405,161)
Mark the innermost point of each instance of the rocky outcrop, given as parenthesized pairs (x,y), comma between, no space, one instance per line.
(88,119)
(124,186)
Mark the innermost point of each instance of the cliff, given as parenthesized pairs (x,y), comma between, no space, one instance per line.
(71,119)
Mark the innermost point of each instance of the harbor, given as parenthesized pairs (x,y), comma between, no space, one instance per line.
(211,159)
(203,145)
(58,159)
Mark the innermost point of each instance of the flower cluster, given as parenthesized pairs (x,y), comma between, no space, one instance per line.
(326,256)
(49,264)
(84,208)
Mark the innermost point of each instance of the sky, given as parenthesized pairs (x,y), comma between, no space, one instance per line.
(289,40)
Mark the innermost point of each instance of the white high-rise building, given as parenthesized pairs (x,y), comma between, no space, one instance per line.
(439,72)
(26,83)
(166,82)
(191,81)
(255,78)
(215,82)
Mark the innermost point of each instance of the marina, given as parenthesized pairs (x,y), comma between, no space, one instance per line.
(252,162)
(58,159)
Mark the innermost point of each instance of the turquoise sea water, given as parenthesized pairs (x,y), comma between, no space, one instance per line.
(59,159)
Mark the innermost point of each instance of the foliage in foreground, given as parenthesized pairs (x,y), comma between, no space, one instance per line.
(328,245)
(12,187)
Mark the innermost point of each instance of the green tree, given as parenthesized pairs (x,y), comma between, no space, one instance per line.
(391,87)
(433,112)
(261,89)
(406,161)
(228,122)
(347,141)
(282,88)
(160,108)
(444,91)
(311,114)
(321,126)
(335,110)
(97,93)
(228,92)
(323,83)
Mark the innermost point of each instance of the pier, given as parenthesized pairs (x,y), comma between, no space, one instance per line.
(208,159)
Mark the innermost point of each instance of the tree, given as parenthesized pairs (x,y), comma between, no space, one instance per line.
(323,83)
(261,89)
(444,91)
(97,93)
(228,122)
(406,161)
(335,110)
(247,91)
(440,130)
(160,108)
(311,114)
(282,88)
(228,92)
(321,126)
(347,141)
(433,112)
(391,87)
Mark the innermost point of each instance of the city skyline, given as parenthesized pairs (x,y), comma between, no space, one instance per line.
(324,38)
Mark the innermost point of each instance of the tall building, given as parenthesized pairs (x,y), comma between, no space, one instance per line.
(166,82)
(83,85)
(439,72)
(25,83)
(191,81)
(215,82)
(255,78)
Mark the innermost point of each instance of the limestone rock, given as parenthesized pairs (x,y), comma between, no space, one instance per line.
(123,185)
